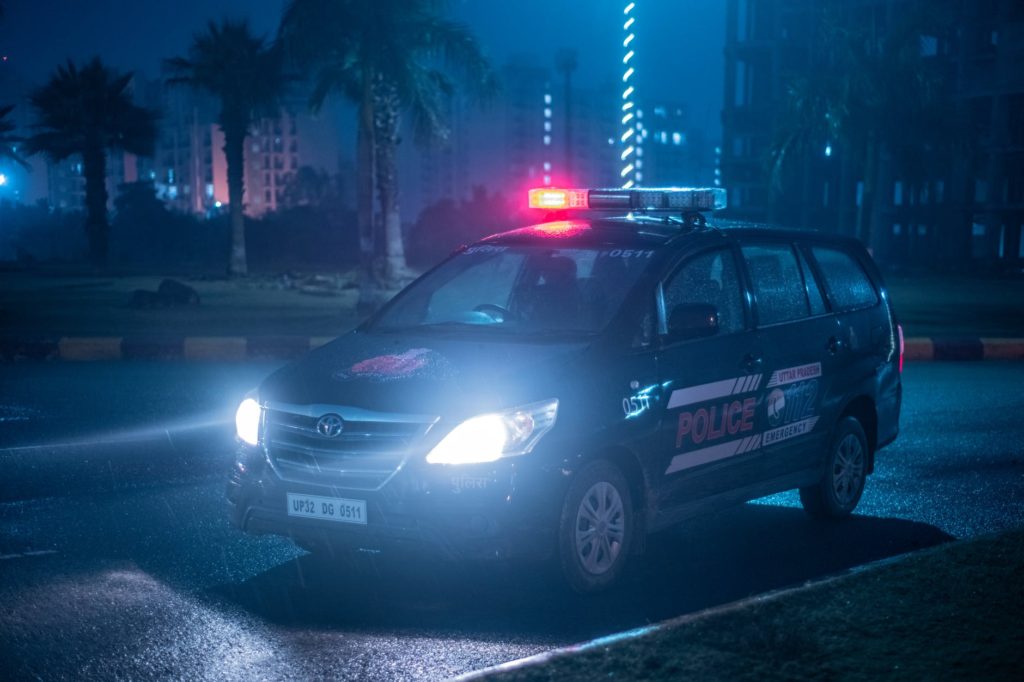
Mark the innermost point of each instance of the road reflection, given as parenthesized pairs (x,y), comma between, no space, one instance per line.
(706,562)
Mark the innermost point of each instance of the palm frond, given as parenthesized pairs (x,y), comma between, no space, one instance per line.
(8,140)
(89,105)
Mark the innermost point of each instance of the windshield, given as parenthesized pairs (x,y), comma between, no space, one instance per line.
(520,290)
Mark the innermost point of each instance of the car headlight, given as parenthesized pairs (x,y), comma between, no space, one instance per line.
(489,437)
(247,421)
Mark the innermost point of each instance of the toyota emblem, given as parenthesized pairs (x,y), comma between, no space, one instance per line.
(330,426)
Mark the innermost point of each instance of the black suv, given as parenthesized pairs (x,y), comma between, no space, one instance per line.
(561,390)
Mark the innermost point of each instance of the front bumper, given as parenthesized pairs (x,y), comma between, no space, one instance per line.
(502,510)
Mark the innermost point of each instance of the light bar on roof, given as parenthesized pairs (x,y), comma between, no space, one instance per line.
(645,199)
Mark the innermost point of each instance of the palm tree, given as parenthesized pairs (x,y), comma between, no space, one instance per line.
(245,73)
(387,56)
(8,141)
(870,95)
(87,111)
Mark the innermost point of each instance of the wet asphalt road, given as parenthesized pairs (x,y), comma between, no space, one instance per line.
(116,559)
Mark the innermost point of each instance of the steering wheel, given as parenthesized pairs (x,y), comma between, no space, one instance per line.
(494,311)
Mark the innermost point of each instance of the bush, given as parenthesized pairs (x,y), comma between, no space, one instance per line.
(35,233)
(446,225)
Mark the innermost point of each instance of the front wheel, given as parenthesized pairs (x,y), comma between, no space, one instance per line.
(837,493)
(596,529)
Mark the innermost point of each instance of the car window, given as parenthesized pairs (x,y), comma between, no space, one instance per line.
(848,285)
(520,290)
(777,281)
(486,281)
(709,278)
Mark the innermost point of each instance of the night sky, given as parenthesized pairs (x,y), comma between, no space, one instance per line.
(679,42)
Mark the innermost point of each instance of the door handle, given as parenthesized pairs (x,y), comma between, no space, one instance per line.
(833,345)
(752,362)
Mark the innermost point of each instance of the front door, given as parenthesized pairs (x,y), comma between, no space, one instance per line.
(711,387)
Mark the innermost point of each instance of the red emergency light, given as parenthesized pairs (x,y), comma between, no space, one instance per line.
(554,199)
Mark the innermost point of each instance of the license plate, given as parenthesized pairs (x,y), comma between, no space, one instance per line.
(327,508)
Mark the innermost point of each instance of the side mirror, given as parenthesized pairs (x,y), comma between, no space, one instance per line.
(692,321)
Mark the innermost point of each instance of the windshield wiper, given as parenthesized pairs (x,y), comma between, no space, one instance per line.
(557,333)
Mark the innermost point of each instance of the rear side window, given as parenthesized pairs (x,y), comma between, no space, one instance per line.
(778,283)
(848,285)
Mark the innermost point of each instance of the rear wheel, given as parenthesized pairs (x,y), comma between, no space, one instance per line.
(596,529)
(842,483)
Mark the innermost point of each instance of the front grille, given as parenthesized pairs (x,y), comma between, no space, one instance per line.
(370,449)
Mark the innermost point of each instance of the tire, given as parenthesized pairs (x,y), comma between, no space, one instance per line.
(596,527)
(836,495)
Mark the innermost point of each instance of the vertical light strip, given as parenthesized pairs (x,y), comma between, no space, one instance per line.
(629,138)
(547,134)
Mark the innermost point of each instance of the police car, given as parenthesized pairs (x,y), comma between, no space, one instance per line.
(562,390)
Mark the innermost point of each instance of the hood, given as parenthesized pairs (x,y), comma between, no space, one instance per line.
(429,374)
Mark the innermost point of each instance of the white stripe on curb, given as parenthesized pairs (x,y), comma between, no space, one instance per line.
(1002,349)
(215,348)
(919,349)
(90,348)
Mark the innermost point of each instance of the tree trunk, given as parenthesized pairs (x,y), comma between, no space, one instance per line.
(386,121)
(865,211)
(234,153)
(94,167)
(843,191)
(368,297)
(805,189)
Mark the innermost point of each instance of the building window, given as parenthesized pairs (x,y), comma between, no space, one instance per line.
(740,96)
(741,20)
(980,190)
(929,46)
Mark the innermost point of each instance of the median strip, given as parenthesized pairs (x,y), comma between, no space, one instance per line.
(229,348)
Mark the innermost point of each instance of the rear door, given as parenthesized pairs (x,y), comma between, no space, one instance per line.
(710,385)
(801,350)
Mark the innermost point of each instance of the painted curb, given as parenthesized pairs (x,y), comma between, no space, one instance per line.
(637,633)
(192,348)
(240,348)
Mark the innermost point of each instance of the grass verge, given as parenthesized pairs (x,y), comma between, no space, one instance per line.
(951,612)
(61,305)
(959,306)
